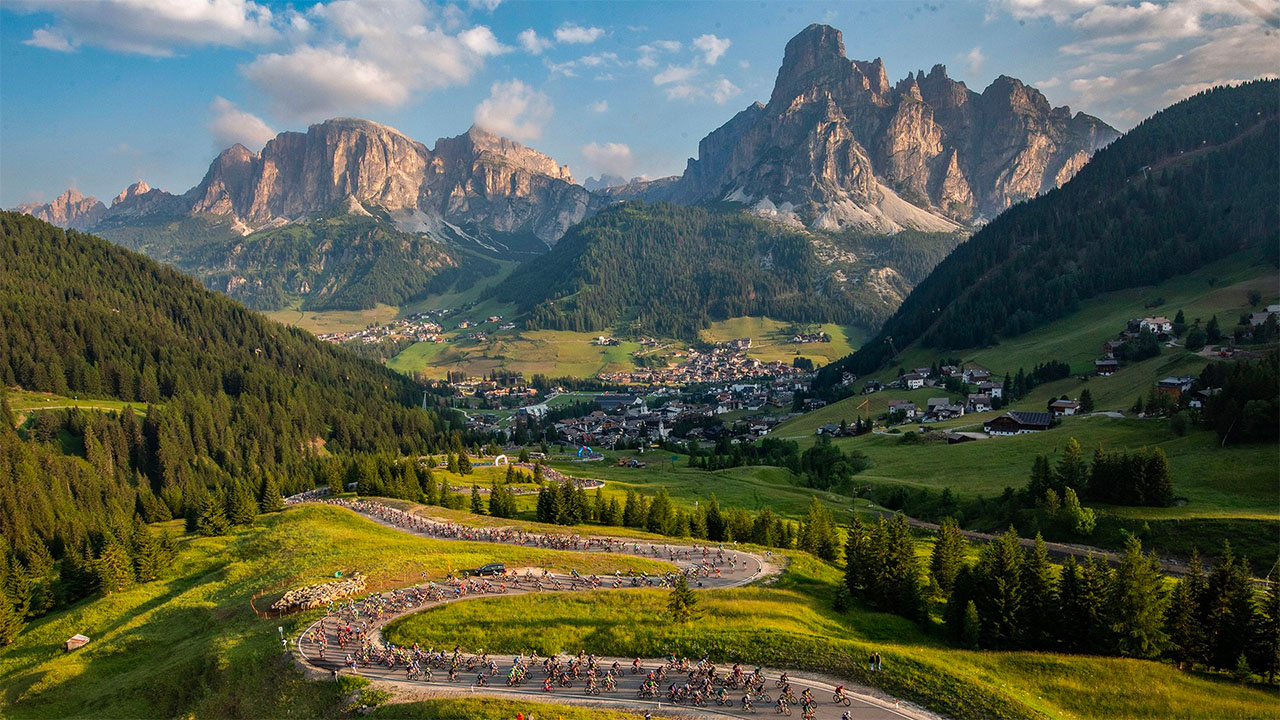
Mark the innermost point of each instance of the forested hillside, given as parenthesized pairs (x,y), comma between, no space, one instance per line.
(671,270)
(221,393)
(1194,183)
(343,262)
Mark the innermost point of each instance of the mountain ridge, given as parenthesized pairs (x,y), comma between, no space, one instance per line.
(956,155)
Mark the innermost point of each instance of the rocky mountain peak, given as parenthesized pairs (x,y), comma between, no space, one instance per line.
(478,144)
(817,52)
(1018,96)
(134,190)
(837,146)
(70,210)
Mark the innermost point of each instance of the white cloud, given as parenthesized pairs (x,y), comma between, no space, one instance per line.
(515,110)
(719,91)
(49,40)
(152,27)
(674,74)
(1134,57)
(973,60)
(608,158)
(360,54)
(723,91)
(712,47)
(312,83)
(489,5)
(530,41)
(230,125)
(649,52)
(571,33)
(598,59)
(482,41)
(600,107)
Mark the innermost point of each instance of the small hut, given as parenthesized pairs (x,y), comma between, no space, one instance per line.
(76,641)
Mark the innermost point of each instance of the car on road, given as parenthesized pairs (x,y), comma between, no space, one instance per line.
(490,569)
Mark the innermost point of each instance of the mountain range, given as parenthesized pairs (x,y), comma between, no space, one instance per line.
(836,150)
(1192,184)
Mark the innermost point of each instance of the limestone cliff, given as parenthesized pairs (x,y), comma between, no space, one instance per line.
(69,210)
(838,146)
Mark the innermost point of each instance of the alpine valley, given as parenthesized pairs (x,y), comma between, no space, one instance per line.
(904,400)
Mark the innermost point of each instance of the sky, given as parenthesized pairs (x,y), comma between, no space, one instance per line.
(95,94)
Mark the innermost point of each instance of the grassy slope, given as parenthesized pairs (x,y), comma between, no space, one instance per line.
(791,625)
(1220,288)
(328,321)
(771,339)
(752,488)
(562,353)
(26,401)
(1238,480)
(804,426)
(556,353)
(192,642)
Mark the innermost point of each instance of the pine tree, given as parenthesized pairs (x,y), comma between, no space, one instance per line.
(818,532)
(464,464)
(1268,640)
(477,502)
(861,563)
(11,621)
(271,499)
(1138,602)
(210,517)
(683,602)
(612,513)
(598,506)
(546,505)
(145,550)
(659,520)
(524,455)
(1157,484)
(77,577)
(971,634)
(1042,479)
(1213,334)
(1229,610)
(1086,401)
(113,568)
(715,521)
(901,590)
(1071,471)
(430,488)
(998,594)
(1083,592)
(1040,611)
(16,582)
(452,464)
(241,506)
(1183,618)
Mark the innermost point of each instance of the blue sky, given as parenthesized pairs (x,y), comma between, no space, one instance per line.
(97,93)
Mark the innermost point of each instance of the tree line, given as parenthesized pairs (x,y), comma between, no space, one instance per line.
(1013,598)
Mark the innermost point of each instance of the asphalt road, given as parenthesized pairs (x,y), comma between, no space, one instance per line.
(746,568)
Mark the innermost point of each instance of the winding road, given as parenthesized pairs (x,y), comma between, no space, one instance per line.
(317,647)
